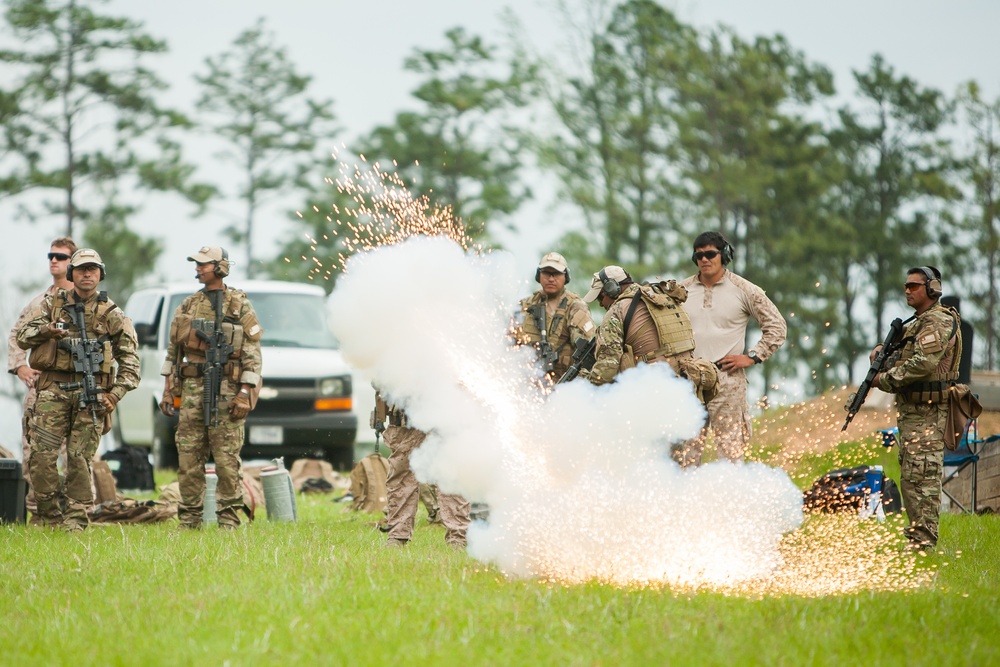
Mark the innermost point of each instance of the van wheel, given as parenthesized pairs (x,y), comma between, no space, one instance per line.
(164,446)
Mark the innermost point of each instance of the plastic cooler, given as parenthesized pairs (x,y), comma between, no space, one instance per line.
(13,490)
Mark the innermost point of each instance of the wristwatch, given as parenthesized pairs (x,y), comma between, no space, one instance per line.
(756,359)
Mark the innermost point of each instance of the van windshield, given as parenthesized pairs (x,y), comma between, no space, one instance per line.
(289,320)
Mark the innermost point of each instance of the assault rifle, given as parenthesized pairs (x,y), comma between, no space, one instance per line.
(216,356)
(583,358)
(378,417)
(889,345)
(546,354)
(88,355)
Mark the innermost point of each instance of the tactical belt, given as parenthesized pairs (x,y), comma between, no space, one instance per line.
(935,391)
(668,350)
(190,370)
(914,387)
(62,376)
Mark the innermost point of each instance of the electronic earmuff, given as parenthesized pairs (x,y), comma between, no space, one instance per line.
(611,287)
(222,266)
(727,251)
(69,270)
(933,284)
(538,275)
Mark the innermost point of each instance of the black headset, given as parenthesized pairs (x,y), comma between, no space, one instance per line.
(933,284)
(69,271)
(728,252)
(222,266)
(538,275)
(611,287)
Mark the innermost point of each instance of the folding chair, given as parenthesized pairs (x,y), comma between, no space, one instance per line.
(965,455)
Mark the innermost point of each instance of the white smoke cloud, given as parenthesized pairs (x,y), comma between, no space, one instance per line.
(579,482)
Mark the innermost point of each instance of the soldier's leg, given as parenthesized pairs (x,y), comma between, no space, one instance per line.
(83,440)
(49,428)
(226,442)
(192,454)
(401,486)
(455,517)
(921,430)
(729,416)
(29,411)
(689,452)
(429,498)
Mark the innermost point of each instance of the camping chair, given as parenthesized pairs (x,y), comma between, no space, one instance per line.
(965,455)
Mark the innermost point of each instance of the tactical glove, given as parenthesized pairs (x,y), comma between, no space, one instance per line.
(108,402)
(239,405)
(167,403)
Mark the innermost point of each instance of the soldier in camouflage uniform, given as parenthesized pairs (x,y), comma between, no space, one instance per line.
(644,324)
(565,315)
(58,415)
(919,374)
(60,250)
(720,304)
(403,490)
(241,378)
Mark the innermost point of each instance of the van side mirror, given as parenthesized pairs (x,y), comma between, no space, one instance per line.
(146,333)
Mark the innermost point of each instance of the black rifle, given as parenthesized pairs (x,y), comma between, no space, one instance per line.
(889,345)
(88,355)
(546,354)
(583,358)
(216,357)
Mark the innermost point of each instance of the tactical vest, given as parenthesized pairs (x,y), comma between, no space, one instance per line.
(935,388)
(192,348)
(673,327)
(55,355)
(557,328)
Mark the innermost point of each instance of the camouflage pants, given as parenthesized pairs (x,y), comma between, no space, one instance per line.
(195,442)
(728,420)
(57,421)
(921,462)
(402,490)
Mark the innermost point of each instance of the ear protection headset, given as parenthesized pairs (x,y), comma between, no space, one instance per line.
(222,266)
(933,284)
(727,250)
(538,275)
(69,272)
(611,287)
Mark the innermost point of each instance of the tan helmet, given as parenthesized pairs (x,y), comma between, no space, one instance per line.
(213,254)
(553,260)
(85,257)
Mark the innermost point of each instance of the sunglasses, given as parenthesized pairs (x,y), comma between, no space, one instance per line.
(61,256)
(912,286)
(705,254)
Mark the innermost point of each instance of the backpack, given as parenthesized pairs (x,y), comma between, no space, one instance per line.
(131,468)
(368,480)
(313,476)
(845,489)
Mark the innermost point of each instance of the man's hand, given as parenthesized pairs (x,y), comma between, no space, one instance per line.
(167,403)
(55,330)
(733,362)
(28,375)
(239,406)
(871,356)
(108,402)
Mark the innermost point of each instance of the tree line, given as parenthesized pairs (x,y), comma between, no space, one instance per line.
(655,131)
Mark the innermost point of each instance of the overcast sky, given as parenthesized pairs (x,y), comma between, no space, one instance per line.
(355,51)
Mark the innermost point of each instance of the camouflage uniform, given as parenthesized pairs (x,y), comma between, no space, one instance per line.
(719,316)
(56,416)
(224,438)
(665,337)
(919,374)
(403,490)
(567,320)
(16,357)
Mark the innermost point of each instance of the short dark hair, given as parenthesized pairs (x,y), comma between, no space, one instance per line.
(710,238)
(920,269)
(65,242)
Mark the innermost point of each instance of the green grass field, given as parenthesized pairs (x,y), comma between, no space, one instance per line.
(324,591)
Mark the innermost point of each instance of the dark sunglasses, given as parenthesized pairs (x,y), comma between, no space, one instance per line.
(61,256)
(705,254)
(909,286)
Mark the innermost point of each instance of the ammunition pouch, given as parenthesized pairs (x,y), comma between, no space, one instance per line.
(935,391)
(703,374)
(43,357)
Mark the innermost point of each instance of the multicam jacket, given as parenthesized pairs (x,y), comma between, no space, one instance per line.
(927,362)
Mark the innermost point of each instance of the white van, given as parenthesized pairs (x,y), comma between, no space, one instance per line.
(305,404)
